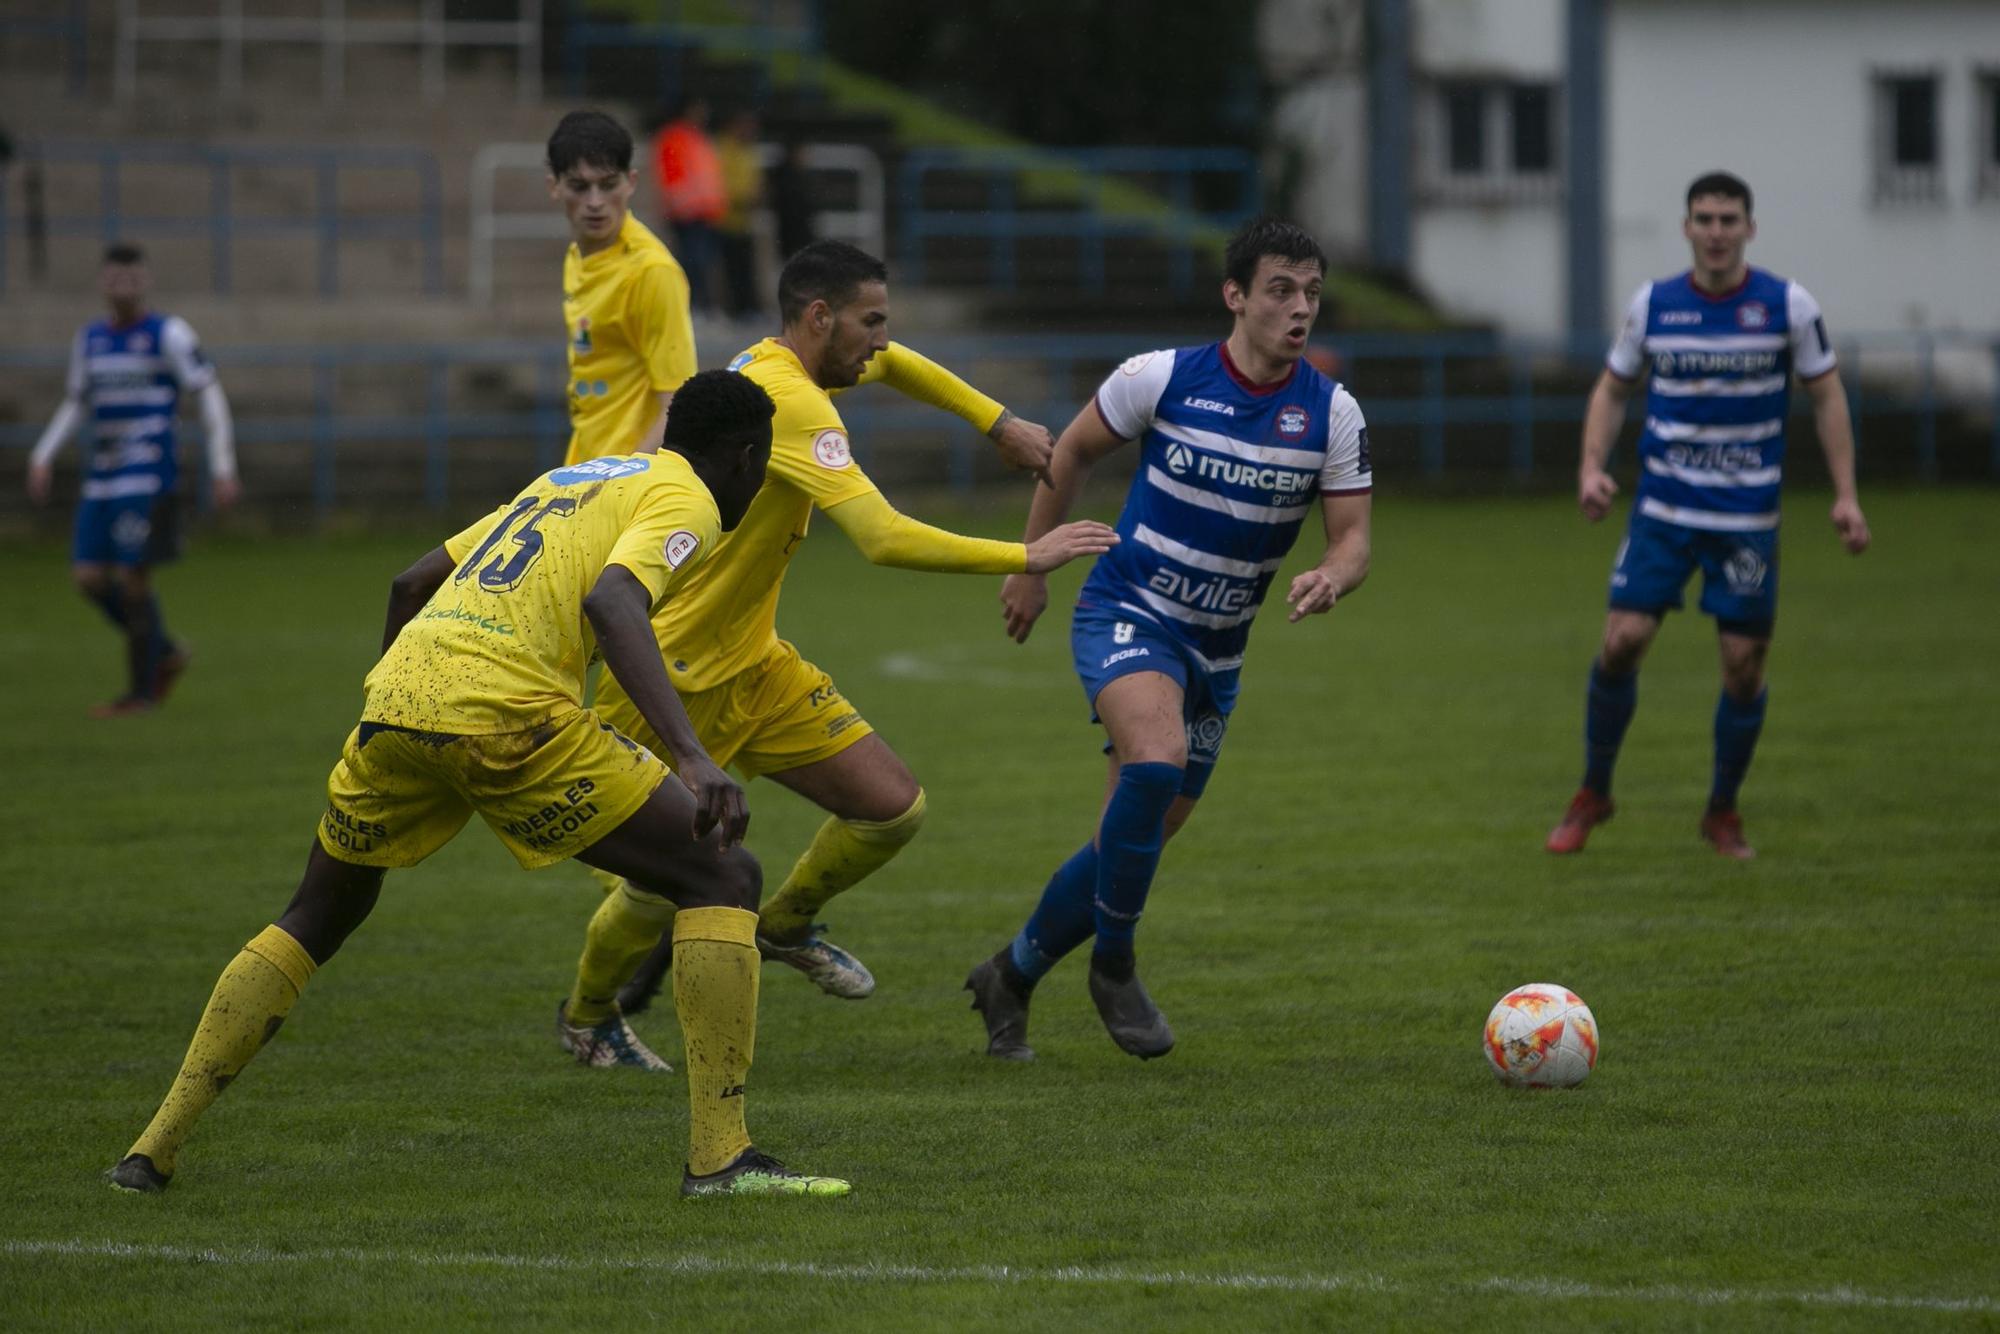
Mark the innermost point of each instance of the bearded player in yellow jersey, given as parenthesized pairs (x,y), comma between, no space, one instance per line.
(625,298)
(476,706)
(753,700)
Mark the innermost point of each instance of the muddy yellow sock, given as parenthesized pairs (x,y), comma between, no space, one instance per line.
(840,855)
(715,993)
(623,931)
(251,999)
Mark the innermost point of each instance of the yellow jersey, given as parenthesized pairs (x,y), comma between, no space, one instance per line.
(625,310)
(726,618)
(502,644)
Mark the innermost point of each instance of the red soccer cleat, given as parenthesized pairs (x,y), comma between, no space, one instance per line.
(1725,830)
(1587,810)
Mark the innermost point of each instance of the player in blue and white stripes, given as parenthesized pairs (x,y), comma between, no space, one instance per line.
(126,377)
(1239,441)
(1722,343)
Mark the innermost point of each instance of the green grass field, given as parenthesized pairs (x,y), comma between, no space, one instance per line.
(1795,1123)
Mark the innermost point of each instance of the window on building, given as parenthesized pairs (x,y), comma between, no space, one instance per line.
(1491,141)
(1529,112)
(1908,151)
(1465,129)
(1987,180)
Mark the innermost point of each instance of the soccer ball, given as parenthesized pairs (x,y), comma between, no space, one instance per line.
(1541,1036)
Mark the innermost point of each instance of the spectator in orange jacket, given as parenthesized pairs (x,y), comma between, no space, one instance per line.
(692,196)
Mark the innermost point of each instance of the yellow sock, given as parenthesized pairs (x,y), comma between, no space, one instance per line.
(840,855)
(251,999)
(606,881)
(715,994)
(623,931)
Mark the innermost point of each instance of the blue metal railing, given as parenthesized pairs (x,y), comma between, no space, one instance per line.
(71,28)
(1414,432)
(222,223)
(672,39)
(1004,221)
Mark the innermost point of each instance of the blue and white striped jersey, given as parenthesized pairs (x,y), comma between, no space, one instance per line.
(1713,449)
(132,378)
(1228,470)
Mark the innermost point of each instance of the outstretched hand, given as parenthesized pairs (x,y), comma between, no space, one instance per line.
(718,801)
(41,480)
(1024,446)
(1023,599)
(1060,546)
(1594,491)
(1852,526)
(1312,593)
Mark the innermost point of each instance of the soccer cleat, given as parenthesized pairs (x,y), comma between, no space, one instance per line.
(125,706)
(606,1043)
(757,1173)
(169,671)
(135,1172)
(1130,1016)
(636,996)
(1004,1009)
(1587,810)
(832,969)
(1725,830)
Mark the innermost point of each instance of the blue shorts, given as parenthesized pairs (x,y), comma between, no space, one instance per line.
(127,530)
(1109,644)
(1739,573)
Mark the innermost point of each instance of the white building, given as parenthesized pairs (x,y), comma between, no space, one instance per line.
(1529,158)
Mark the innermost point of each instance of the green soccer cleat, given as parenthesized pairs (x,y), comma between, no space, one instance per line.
(831,968)
(606,1043)
(757,1173)
(135,1173)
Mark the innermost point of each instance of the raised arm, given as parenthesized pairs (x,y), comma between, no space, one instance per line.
(888,537)
(1023,445)
(1602,420)
(1836,441)
(1024,597)
(620,613)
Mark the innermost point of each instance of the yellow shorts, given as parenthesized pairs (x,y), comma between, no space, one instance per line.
(780,714)
(397,796)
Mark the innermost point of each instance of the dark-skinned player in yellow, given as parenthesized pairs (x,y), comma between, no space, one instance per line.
(476,706)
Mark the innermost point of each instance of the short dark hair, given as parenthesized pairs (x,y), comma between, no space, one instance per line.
(590,138)
(715,412)
(1268,236)
(123,252)
(1720,183)
(829,271)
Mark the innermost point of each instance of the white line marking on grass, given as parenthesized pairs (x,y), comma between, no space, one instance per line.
(1106,1276)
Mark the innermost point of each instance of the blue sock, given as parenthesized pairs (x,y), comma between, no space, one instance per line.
(1736,729)
(1128,846)
(1062,920)
(111,601)
(1607,712)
